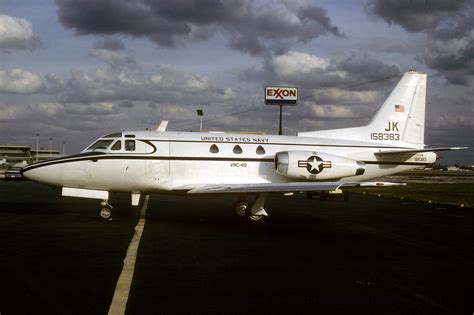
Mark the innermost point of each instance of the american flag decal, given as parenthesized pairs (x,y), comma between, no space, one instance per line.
(399,108)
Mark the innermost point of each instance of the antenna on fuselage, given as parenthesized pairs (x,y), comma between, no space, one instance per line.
(162,126)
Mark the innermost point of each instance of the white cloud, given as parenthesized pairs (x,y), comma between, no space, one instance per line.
(346,96)
(294,63)
(113,58)
(333,112)
(48,109)
(175,112)
(196,84)
(19,81)
(9,112)
(16,33)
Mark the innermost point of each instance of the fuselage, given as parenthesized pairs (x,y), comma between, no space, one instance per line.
(148,161)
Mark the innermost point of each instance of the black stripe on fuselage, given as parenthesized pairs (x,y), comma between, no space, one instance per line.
(94,156)
(69,158)
(141,157)
(104,156)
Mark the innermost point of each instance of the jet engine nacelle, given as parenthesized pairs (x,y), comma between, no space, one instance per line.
(316,165)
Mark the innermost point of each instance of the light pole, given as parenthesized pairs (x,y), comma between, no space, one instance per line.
(37,145)
(200,113)
(50,147)
(64,147)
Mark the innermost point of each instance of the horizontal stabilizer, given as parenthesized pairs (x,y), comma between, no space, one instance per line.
(413,151)
(282,187)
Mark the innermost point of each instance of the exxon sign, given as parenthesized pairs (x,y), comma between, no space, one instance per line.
(278,95)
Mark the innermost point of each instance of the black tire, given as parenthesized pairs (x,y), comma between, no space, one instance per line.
(105,213)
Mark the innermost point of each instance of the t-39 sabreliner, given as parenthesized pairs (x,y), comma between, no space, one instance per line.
(251,166)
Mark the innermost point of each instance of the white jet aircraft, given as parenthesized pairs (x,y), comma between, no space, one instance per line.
(142,162)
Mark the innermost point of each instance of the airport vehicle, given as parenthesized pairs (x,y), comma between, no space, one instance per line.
(14,173)
(142,162)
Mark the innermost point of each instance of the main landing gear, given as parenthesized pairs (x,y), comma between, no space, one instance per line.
(254,211)
(105,211)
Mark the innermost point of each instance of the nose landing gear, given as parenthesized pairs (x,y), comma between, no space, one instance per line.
(105,211)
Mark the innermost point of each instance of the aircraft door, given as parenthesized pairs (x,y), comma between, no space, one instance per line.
(157,167)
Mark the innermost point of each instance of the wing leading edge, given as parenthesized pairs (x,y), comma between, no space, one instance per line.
(283,187)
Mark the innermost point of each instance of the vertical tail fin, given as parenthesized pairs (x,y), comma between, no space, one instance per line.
(400,119)
(403,111)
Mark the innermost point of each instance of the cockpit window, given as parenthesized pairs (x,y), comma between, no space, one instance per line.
(100,145)
(117,145)
(113,135)
(129,145)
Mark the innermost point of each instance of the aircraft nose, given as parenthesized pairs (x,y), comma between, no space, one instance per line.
(44,174)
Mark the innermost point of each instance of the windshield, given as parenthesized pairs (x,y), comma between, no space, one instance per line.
(100,145)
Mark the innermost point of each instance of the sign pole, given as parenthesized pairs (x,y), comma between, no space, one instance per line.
(280,131)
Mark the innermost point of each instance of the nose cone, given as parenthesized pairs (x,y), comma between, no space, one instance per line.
(43,173)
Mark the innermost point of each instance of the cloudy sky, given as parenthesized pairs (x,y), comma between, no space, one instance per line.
(74,70)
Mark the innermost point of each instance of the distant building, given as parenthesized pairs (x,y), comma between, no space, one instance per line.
(14,154)
(43,155)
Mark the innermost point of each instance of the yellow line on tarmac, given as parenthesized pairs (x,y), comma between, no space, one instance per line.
(122,288)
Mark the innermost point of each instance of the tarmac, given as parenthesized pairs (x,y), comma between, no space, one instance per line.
(194,255)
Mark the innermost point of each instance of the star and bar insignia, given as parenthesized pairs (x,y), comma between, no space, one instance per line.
(314,164)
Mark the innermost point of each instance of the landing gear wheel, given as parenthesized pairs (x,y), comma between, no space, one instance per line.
(105,213)
(242,208)
(256,218)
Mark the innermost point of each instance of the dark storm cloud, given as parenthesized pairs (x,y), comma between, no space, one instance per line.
(451,49)
(364,68)
(415,15)
(310,72)
(449,26)
(109,43)
(251,28)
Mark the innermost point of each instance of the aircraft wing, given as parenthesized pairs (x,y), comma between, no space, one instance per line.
(282,187)
(413,151)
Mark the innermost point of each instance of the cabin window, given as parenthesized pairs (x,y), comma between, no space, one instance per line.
(129,136)
(129,145)
(117,145)
(237,149)
(214,149)
(260,150)
(100,145)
